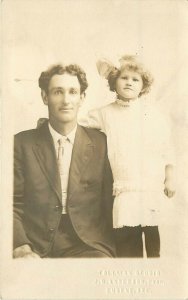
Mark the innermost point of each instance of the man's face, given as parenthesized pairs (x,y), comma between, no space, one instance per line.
(63,98)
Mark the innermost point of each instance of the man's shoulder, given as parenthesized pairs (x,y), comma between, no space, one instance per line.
(30,134)
(25,136)
(95,134)
(25,133)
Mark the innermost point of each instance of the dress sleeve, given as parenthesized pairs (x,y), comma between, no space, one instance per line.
(94,119)
(168,143)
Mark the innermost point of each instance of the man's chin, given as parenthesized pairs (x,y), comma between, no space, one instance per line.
(65,119)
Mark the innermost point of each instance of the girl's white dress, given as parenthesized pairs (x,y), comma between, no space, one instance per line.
(139,148)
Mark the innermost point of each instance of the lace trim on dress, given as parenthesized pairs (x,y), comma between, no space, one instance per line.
(123,186)
(123,103)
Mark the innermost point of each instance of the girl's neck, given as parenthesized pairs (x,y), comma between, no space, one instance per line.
(125,102)
(119,97)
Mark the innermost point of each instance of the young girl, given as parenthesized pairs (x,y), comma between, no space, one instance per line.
(139,149)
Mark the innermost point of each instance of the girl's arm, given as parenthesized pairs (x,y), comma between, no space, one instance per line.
(170,181)
(93,119)
(168,154)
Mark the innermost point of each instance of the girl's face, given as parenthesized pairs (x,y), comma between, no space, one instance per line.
(129,85)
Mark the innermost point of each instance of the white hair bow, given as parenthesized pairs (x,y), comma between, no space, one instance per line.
(104,67)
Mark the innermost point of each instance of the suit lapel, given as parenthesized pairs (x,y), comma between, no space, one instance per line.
(46,156)
(81,155)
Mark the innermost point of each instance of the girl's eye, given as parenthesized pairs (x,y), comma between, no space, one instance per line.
(135,79)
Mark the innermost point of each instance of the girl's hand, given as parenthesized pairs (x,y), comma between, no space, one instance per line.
(169,188)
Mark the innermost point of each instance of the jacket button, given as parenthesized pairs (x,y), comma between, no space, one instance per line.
(51,229)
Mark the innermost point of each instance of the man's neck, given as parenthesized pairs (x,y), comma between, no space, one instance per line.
(63,128)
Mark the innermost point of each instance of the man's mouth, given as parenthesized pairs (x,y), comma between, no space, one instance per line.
(65,109)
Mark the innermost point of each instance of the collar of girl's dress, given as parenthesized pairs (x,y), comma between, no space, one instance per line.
(127,103)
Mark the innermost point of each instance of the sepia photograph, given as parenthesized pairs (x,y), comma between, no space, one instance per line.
(94,136)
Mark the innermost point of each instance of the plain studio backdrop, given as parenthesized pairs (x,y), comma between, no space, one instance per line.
(39,33)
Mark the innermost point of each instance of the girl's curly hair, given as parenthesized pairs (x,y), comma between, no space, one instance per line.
(131,63)
(59,69)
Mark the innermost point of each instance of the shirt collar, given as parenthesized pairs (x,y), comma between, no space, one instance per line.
(56,135)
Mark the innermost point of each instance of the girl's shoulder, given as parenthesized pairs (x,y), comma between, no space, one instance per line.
(102,110)
(152,110)
(155,118)
(107,108)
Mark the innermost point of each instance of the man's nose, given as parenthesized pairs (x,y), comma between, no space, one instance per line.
(65,98)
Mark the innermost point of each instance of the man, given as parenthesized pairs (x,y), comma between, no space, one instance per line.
(62,179)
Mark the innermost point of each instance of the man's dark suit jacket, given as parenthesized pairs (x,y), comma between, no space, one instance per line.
(37,190)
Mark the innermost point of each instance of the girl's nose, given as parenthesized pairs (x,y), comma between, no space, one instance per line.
(128,82)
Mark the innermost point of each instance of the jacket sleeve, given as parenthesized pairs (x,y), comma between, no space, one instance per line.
(19,235)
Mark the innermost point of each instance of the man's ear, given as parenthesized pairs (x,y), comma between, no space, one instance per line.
(82,98)
(44,97)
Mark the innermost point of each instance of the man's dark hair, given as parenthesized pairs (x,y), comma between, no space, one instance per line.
(59,69)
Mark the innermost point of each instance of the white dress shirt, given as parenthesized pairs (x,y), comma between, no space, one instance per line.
(66,160)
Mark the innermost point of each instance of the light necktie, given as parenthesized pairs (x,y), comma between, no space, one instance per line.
(61,142)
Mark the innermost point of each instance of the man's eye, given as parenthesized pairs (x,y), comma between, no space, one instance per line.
(135,79)
(124,77)
(73,92)
(58,92)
